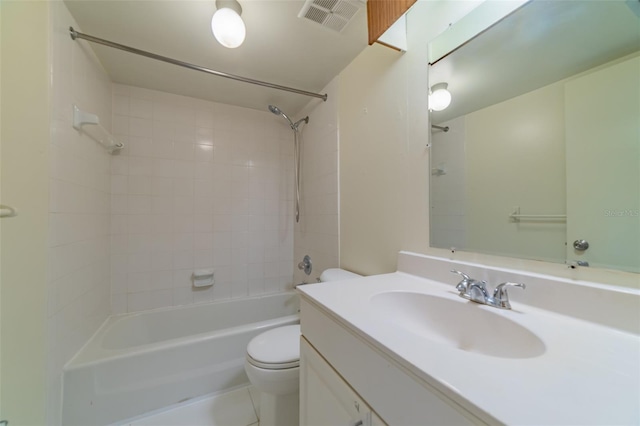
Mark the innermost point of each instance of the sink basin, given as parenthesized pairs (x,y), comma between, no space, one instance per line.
(463,325)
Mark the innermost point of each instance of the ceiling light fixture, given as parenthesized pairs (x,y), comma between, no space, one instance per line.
(439,97)
(227,25)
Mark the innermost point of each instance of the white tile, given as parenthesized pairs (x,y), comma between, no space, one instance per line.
(203,259)
(139,204)
(137,302)
(141,127)
(204,136)
(162,186)
(119,165)
(183,259)
(120,104)
(203,153)
(140,166)
(163,148)
(204,187)
(203,241)
(183,187)
(202,295)
(162,261)
(182,278)
(183,224)
(160,298)
(120,125)
(139,185)
(138,282)
(182,296)
(141,108)
(203,223)
(140,146)
(163,130)
(118,303)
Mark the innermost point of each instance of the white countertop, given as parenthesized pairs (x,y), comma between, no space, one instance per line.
(588,374)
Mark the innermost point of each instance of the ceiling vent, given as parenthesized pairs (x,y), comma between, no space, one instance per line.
(332,14)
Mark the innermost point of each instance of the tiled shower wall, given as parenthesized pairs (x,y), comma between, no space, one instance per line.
(199,185)
(79,200)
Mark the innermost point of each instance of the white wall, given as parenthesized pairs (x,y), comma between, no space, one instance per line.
(384,129)
(79,204)
(317,232)
(24,107)
(199,185)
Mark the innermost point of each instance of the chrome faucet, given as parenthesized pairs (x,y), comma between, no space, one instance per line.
(476,291)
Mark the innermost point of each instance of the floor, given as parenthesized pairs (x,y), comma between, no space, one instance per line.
(238,407)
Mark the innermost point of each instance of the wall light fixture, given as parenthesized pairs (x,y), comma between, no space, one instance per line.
(439,97)
(227,25)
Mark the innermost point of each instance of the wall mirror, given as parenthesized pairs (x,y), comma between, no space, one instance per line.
(538,154)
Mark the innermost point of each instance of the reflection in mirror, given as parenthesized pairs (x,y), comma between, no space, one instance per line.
(543,142)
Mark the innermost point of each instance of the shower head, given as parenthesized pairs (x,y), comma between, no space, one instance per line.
(274,109)
(277,111)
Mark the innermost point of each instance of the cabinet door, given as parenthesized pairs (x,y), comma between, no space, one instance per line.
(326,399)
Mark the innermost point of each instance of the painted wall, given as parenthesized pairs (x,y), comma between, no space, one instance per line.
(199,185)
(317,233)
(384,162)
(79,204)
(24,106)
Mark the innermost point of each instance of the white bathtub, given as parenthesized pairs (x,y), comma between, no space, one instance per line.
(141,362)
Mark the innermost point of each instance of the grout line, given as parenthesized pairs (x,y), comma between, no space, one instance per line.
(253,404)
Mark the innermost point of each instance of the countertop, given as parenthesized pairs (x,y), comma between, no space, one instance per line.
(588,373)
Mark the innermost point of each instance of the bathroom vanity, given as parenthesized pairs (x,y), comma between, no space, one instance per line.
(405,349)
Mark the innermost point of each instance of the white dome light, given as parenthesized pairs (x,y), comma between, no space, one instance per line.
(228,27)
(439,98)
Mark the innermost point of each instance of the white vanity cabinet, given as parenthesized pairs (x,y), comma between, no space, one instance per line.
(325,398)
(346,381)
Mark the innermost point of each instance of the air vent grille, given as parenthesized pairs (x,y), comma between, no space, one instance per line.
(332,14)
(316,15)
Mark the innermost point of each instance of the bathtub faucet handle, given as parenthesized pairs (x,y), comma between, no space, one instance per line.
(305,265)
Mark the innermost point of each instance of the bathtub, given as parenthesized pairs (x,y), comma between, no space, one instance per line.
(139,362)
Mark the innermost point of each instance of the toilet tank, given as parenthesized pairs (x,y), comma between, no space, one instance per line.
(337,274)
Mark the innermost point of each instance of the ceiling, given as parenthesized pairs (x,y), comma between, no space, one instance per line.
(280,48)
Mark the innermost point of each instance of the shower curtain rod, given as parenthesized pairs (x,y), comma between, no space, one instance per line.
(75,35)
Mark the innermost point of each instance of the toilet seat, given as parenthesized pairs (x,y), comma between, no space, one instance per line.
(276,349)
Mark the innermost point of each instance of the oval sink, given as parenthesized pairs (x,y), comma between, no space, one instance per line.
(463,325)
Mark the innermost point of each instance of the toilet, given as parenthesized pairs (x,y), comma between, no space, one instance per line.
(273,366)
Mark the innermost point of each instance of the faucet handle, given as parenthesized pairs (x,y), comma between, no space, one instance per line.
(500,295)
(465,276)
(466,279)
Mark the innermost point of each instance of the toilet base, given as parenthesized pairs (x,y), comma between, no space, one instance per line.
(279,410)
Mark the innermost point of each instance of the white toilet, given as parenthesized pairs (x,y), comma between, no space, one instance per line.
(273,367)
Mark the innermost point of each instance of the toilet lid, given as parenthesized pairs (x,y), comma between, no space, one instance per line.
(277,347)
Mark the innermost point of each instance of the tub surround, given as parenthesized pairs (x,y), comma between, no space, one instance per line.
(585,373)
(141,362)
(199,185)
